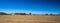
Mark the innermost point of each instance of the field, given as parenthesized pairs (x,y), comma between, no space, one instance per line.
(29,19)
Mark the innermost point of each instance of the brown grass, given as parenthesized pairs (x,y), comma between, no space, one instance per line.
(29,19)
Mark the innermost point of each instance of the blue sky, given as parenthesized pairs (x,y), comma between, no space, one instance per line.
(33,6)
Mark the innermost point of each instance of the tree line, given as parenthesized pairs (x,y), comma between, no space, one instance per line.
(2,13)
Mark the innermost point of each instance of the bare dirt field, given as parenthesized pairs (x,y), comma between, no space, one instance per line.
(29,19)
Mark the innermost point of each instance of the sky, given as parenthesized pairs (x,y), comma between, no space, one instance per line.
(27,6)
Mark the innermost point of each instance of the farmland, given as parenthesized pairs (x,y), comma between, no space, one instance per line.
(29,19)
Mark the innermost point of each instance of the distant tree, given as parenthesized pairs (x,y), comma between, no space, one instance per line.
(20,13)
(2,13)
(46,14)
(51,14)
(30,13)
(59,13)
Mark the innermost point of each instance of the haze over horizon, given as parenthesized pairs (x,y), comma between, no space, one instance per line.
(27,6)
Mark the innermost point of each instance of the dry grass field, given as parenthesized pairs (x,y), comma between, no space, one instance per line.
(29,19)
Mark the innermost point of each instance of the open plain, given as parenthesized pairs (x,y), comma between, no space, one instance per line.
(29,19)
